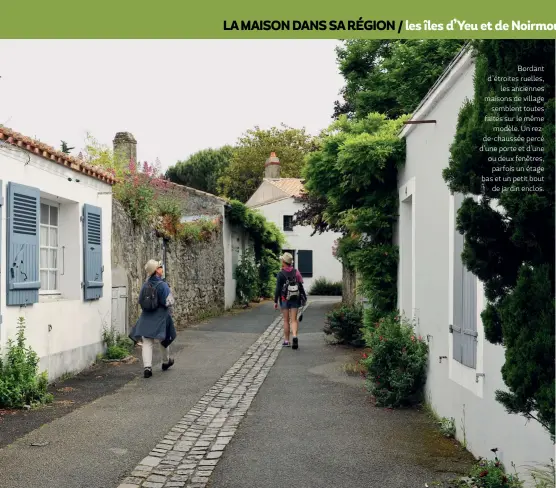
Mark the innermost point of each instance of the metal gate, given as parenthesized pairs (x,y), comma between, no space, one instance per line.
(119,309)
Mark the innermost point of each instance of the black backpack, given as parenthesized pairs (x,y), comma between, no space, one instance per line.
(290,289)
(149,297)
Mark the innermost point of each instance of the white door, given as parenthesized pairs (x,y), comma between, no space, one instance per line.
(119,309)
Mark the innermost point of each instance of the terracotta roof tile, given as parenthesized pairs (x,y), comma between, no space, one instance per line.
(44,150)
(291,186)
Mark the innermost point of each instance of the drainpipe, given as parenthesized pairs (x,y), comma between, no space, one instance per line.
(164,245)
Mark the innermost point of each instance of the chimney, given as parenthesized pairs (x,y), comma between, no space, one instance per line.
(125,146)
(272,167)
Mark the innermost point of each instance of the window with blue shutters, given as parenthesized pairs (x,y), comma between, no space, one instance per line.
(23,244)
(464,328)
(92,252)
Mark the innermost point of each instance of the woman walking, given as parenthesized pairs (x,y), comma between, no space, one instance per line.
(290,296)
(155,322)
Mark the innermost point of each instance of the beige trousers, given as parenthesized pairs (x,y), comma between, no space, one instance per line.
(148,346)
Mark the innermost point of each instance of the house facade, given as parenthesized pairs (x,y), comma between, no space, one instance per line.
(446,300)
(278,200)
(55,253)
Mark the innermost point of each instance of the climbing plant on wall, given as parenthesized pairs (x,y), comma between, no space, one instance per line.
(509,234)
(267,242)
(353,180)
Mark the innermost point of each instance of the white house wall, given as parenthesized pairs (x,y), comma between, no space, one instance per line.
(65,331)
(325,265)
(424,290)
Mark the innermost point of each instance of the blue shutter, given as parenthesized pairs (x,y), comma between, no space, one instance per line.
(469,322)
(23,281)
(92,252)
(457,326)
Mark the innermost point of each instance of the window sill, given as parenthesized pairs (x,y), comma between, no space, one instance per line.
(50,297)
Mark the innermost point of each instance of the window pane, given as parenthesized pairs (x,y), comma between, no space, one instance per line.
(44,236)
(44,214)
(53,215)
(53,237)
(53,259)
(44,258)
(52,280)
(44,280)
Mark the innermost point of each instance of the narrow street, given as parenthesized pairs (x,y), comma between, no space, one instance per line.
(238,411)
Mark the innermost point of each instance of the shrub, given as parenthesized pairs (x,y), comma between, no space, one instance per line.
(492,474)
(247,278)
(118,346)
(345,325)
(447,427)
(20,382)
(397,362)
(323,287)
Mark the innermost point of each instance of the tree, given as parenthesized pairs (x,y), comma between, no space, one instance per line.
(351,181)
(202,169)
(246,169)
(509,234)
(390,76)
(65,148)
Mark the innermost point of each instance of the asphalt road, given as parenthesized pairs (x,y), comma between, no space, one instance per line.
(312,426)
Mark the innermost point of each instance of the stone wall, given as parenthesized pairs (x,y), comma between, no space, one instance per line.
(195,271)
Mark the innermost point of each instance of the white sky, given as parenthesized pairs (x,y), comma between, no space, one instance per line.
(175,97)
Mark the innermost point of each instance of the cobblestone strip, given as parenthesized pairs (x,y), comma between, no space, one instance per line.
(189,453)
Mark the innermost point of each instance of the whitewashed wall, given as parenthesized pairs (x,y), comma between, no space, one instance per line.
(64,330)
(425,285)
(325,265)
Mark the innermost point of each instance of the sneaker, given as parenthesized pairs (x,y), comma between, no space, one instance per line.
(295,344)
(168,365)
(286,344)
(148,372)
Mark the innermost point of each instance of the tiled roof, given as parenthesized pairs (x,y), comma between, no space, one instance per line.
(291,186)
(48,152)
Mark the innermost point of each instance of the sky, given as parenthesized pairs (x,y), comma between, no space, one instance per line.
(175,97)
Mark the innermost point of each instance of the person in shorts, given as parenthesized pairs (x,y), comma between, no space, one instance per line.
(289,296)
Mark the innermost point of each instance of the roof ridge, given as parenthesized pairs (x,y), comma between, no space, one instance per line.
(33,146)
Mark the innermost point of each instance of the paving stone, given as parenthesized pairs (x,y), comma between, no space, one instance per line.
(133,480)
(127,485)
(214,455)
(140,474)
(157,478)
(150,461)
(211,423)
(208,462)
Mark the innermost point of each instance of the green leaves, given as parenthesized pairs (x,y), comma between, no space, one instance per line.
(510,247)
(202,170)
(267,242)
(390,76)
(245,173)
(397,362)
(20,382)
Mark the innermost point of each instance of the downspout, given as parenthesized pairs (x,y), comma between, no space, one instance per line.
(164,260)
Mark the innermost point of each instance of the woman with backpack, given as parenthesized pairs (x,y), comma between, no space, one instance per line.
(290,295)
(155,322)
